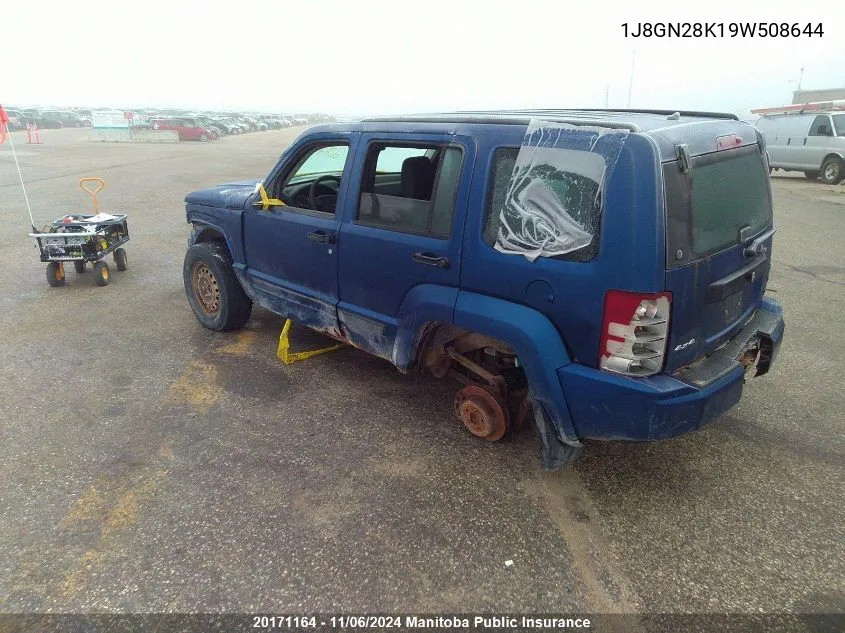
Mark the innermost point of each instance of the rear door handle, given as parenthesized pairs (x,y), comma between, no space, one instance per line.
(322,237)
(429,259)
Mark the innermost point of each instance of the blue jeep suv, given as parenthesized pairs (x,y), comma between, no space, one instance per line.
(599,273)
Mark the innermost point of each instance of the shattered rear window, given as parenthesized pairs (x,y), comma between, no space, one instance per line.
(578,194)
(546,196)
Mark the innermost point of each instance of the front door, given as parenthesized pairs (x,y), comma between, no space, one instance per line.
(291,238)
(402,232)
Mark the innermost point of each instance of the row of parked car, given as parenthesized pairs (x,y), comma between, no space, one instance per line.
(47,119)
(198,126)
(206,127)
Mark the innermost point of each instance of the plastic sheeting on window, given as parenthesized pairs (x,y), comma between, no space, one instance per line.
(554,196)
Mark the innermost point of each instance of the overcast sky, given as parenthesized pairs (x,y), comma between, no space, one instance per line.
(367,57)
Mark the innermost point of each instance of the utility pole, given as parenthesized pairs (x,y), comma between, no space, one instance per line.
(800,78)
(606,94)
(631,82)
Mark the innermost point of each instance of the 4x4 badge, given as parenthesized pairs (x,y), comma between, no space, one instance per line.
(678,348)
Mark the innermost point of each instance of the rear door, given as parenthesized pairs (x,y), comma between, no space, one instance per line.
(402,230)
(719,237)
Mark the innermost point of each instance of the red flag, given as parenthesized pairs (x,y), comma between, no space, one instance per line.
(4,121)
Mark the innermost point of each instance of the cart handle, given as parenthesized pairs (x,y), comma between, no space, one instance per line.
(93,194)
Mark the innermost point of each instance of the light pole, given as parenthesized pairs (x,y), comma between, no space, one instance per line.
(631,81)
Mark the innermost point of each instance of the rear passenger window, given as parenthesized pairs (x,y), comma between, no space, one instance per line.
(410,189)
(578,194)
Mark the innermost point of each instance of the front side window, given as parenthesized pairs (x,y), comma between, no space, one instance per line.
(839,124)
(410,189)
(314,181)
(821,126)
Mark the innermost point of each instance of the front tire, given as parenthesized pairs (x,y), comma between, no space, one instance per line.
(120,259)
(833,171)
(56,274)
(79,267)
(214,293)
(204,137)
(102,274)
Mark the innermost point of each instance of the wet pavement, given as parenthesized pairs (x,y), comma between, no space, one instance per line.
(147,464)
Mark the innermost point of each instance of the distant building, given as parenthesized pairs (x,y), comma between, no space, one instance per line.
(814,96)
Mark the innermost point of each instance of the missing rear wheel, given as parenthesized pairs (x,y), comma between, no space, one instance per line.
(482,412)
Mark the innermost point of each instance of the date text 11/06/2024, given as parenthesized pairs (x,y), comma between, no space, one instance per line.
(419,622)
(722,29)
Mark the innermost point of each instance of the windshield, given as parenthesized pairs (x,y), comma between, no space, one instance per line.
(839,124)
(707,208)
(330,159)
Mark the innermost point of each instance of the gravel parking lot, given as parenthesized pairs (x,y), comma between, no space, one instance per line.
(147,464)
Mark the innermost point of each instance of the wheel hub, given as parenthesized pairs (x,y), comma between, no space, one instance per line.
(205,287)
(483,414)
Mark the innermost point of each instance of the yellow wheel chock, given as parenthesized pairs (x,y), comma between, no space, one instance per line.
(288,358)
(266,202)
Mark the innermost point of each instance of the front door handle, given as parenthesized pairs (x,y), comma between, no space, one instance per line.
(430,259)
(322,237)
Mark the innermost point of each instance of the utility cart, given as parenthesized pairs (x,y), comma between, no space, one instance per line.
(84,238)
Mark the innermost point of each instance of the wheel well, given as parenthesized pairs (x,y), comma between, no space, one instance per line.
(436,333)
(832,155)
(477,361)
(209,234)
(441,344)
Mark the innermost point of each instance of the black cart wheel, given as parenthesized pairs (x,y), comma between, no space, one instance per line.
(120,259)
(102,273)
(79,267)
(214,293)
(56,274)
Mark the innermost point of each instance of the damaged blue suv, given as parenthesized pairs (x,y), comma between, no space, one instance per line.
(600,273)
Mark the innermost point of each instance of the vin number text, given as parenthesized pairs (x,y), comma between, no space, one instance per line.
(722,29)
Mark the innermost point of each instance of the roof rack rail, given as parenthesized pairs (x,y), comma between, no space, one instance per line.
(506,117)
(799,108)
(693,113)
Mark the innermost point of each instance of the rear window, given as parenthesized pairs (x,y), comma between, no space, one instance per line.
(707,208)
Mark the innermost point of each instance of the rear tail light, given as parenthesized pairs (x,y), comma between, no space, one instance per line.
(729,141)
(635,328)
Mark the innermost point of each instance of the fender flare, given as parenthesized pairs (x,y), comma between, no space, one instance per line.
(537,343)
(424,304)
(201,226)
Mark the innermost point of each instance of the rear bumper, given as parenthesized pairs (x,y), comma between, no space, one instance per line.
(608,406)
